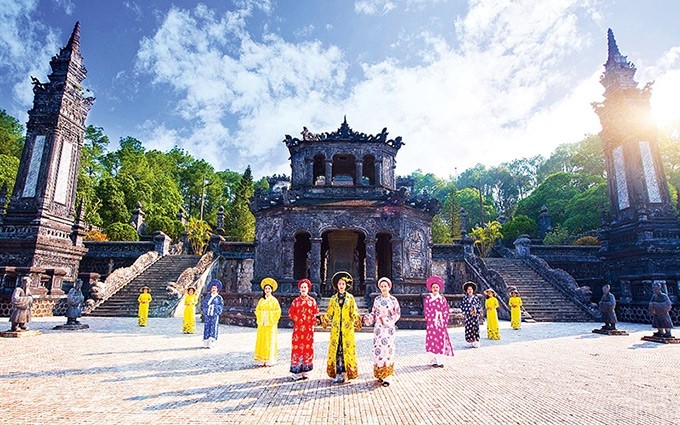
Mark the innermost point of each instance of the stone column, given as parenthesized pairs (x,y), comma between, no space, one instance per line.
(378,173)
(315,267)
(370,265)
(329,171)
(359,173)
(220,219)
(309,170)
(288,262)
(397,254)
(161,242)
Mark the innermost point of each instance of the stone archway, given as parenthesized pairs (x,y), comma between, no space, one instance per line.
(343,250)
(383,250)
(301,256)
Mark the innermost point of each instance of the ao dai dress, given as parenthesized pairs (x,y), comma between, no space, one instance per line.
(468,304)
(212,309)
(342,353)
(189,323)
(385,314)
(492,330)
(303,313)
(143,313)
(267,313)
(437,340)
(515,312)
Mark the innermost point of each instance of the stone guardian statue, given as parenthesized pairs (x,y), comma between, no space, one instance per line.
(21,306)
(74,302)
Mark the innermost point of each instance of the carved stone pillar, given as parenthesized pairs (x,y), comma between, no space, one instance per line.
(397,255)
(287,260)
(315,269)
(309,172)
(378,173)
(329,171)
(370,266)
(359,173)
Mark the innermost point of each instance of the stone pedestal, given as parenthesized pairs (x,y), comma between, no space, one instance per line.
(609,332)
(77,327)
(19,334)
(661,340)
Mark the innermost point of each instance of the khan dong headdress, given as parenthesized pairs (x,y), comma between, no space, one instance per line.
(271,282)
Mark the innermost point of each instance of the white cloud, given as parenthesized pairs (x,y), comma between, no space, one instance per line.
(224,75)
(374,7)
(507,90)
(26,46)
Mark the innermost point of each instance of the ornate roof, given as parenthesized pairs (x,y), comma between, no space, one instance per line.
(344,134)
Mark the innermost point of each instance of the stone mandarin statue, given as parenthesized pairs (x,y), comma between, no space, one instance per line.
(659,307)
(74,302)
(607,306)
(21,306)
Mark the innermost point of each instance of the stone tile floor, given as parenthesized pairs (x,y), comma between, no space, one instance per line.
(546,373)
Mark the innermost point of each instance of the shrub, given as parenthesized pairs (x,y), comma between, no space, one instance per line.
(558,236)
(96,236)
(586,240)
(121,232)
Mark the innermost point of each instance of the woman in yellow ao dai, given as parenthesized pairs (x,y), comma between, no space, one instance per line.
(267,313)
(515,303)
(343,317)
(190,301)
(143,312)
(491,305)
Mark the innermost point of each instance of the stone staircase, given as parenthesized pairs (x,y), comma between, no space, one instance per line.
(167,269)
(540,299)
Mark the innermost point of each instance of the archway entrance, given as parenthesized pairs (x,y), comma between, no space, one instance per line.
(383,250)
(301,260)
(343,250)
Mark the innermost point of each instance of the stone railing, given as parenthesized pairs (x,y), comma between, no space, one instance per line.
(486,279)
(192,277)
(564,282)
(102,291)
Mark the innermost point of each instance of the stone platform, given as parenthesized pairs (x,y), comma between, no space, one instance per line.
(661,340)
(19,334)
(78,327)
(546,373)
(610,332)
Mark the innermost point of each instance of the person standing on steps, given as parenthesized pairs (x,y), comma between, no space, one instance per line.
(212,307)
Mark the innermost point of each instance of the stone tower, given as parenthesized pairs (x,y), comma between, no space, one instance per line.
(41,235)
(642,237)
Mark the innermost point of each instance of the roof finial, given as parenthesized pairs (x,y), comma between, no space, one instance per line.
(612,48)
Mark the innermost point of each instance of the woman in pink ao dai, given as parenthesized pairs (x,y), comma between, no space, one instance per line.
(436,311)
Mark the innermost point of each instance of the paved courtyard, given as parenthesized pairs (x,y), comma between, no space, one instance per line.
(547,373)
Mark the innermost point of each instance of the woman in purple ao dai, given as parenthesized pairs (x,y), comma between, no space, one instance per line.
(436,311)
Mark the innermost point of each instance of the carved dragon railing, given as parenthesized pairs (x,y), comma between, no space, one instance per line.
(191,277)
(102,291)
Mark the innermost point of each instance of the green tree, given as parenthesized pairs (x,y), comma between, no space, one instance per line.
(583,157)
(9,167)
(440,230)
(584,211)
(486,237)
(11,135)
(450,215)
(198,234)
(519,225)
(558,236)
(241,222)
(470,201)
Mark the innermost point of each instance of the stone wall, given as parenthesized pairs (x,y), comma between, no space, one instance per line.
(43,306)
(104,257)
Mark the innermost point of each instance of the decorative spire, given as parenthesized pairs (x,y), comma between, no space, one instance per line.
(74,40)
(618,72)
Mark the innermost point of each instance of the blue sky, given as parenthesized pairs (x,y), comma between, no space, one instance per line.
(463,82)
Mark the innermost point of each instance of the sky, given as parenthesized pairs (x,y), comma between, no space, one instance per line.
(462,82)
